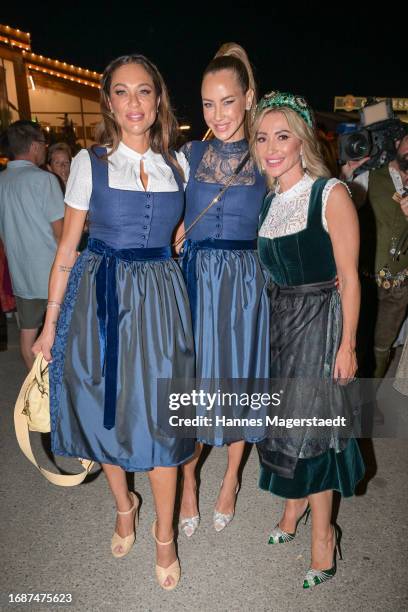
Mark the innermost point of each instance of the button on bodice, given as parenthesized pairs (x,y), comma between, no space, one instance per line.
(131,219)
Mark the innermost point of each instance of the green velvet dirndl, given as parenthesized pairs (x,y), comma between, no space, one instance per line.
(306,324)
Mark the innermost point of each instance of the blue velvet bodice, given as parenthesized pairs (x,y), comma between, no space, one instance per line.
(304,257)
(131,219)
(235,216)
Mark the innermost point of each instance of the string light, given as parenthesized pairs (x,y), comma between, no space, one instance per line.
(13,30)
(63,76)
(40,60)
(69,68)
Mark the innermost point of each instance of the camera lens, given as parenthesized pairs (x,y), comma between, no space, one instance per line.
(357,146)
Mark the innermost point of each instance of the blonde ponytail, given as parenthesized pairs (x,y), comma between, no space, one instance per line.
(231,56)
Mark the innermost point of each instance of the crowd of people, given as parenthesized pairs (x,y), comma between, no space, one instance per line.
(266,285)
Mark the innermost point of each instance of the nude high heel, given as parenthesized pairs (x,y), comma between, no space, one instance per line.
(162,573)
(127,542)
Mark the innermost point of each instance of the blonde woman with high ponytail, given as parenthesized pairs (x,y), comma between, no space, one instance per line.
(224,279)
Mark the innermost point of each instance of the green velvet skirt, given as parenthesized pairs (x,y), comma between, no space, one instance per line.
(329,471)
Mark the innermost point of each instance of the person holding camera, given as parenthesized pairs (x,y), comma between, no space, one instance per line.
(381,195)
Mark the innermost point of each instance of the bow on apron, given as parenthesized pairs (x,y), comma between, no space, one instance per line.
(108,312)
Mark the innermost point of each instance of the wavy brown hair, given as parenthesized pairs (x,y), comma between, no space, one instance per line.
(164,132)
(231,56)
(313,159)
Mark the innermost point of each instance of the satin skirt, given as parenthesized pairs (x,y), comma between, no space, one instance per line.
(231,328)
(154,341)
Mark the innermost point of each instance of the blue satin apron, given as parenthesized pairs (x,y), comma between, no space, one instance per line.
(124,323)
(227,289)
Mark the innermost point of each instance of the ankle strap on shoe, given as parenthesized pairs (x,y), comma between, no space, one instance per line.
(135,504)
(155,537)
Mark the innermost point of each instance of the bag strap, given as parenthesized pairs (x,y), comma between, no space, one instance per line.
(40,365)
(214,200)
(23,439)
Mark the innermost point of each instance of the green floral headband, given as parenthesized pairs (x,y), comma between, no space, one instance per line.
(277,99)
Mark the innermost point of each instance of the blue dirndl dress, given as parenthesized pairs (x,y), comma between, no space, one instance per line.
(227,289)
(125,322)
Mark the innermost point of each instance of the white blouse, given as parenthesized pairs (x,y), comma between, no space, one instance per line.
(289,210)
(123,173)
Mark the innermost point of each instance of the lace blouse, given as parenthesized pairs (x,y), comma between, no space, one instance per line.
(288,214)
(220,160)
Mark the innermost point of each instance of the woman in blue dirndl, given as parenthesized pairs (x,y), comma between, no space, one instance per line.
(125,319)
(224,278)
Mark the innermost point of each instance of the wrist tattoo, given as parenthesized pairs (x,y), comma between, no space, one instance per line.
(64,268)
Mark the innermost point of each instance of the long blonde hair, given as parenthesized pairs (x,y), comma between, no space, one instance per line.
(164,131)
(231,56)
(313,161)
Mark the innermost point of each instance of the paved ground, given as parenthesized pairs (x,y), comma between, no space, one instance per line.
(57,540)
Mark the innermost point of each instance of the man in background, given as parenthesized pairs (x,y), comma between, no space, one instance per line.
(31,219)
(381,196)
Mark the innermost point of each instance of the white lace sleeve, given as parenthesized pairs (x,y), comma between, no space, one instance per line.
(79,185)
(325,197)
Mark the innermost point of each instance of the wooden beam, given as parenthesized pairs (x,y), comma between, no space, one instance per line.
(22,88)
(9,54)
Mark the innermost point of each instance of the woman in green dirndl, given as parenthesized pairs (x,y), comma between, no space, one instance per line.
(308,236)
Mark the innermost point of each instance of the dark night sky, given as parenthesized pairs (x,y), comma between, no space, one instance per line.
(315,52)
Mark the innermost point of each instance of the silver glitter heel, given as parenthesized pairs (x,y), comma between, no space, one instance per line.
(189,525)
(220,520)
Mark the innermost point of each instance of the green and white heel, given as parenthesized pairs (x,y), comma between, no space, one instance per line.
(314,577)
(278,536)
